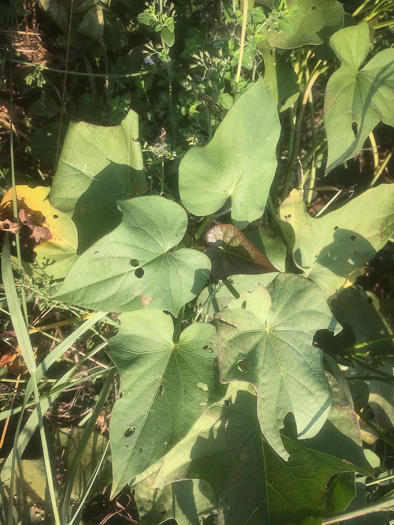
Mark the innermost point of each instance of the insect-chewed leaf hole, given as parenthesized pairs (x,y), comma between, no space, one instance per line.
(243,365)
(134,262)
(139,273)
(208,349)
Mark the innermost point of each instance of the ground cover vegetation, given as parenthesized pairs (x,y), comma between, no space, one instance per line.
(197,223)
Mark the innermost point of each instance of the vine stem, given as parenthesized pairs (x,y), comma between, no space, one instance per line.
(297,133)
(374,151)
(77,73)
(381,168)
(243,31)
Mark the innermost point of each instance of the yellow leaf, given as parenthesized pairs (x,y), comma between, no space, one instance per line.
(56,254)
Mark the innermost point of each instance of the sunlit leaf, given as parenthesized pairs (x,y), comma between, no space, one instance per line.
(265,338)
(330,248)
(57,250)
(306,22)
(136,266)
(98,166)
(225,447)
(238,163)
(356,99)
(165,386)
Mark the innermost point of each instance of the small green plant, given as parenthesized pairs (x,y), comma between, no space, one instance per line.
(228,288)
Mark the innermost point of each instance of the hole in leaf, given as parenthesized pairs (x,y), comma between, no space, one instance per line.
(243,365)
(243,306)
(369,300)
(129,431)
(55,216)
(208,349)
(354,128)
(335,227)
(139,273)
(161,390)
(6,226)
(134,262)
(313,7)
(353,237)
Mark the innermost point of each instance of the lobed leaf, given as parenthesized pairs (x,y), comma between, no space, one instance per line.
(356,99)
(135,266)
(165,386)
(265,338)
(332,248)
(225,447)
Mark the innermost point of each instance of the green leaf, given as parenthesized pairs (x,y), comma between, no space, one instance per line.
(226,448)
(167,36)
(166,385)
(311,23)
(232,253)
(215,297)
(270,241)
(135,266)
(188,501)
(238,163)
(333,247)
(356,99)
(265,338)
(98,166)
(279,78)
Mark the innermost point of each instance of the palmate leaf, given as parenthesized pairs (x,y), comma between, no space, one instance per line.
(238,163)
(187,501)
(165,387)
(356,99)
(225,447)
(307,22)
(98,166)
(329,249)
(265,338)
(232,253)
(134,266)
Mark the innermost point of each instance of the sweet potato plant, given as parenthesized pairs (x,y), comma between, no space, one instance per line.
(231,277)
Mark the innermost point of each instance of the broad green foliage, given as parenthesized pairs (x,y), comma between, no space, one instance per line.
(332,248)
(217,296)
(265,338)
(226,448)
(98,166)
(238,163)
(279,78)
(165,386)
(188,501)
(232,253)
(310,22)
(135,266)
(356,99)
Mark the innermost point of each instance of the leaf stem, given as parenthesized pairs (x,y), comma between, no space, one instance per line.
(297,134)
(242,44)
(178,324)
(231,288)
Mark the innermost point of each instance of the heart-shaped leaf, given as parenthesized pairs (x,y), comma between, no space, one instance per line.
(266,339)
(98,166)
(356,99)
(331,248)
(305,22)
(165,387)
(238,163)
(232,253)
(226,448)
(134,266)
